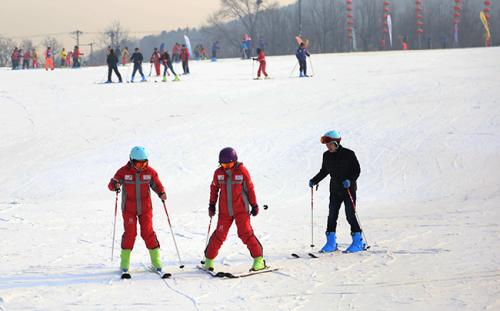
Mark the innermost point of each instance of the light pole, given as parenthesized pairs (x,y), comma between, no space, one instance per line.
(300,18)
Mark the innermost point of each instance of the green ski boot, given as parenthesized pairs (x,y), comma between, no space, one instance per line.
(209,264)
(176,78)
(154,254)
(258,264)
(125,259)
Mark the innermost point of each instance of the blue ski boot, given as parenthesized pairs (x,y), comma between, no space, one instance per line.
(357,243)
(331,243)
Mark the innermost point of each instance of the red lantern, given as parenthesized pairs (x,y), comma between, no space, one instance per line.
(487,3)
(349,8)
(420,24)
(456,14)
(457,8)
(487,16)
(420,31)
(486,10)
(349,22)
(457,1)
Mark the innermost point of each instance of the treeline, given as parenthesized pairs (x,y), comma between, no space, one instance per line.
(324,24)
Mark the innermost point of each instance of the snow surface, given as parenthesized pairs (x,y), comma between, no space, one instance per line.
(425,126)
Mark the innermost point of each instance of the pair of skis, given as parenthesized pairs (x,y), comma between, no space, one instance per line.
(230,275)
(164,275)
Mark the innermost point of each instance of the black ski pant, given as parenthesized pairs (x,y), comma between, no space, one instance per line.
(336,200)
(185,67)
(115,69)
(137,67)
(166,66)
(303,66)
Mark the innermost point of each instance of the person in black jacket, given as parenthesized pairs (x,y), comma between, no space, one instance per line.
(165,59)
(343,167)
(137,59)
(112,61)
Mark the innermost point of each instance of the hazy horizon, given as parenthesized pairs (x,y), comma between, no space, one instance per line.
(34,19)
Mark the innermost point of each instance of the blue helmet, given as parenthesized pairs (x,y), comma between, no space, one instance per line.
(138,153)
(331,136)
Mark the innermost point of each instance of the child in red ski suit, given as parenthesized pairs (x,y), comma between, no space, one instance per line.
(134,180)
(261,58)
(233,187)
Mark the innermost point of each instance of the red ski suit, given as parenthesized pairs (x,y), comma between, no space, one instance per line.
(262,61)
(136,203)
(236,193)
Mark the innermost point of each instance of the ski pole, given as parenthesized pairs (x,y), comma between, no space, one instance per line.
(290,75)
(114,227)
(173,236)
(312,68)
(312,218)
(208,232)
(253,67)
(357,218)
(150,69)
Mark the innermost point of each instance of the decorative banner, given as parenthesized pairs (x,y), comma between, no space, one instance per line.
(486,21)
(456,20)
(487,33)
(389,23)
(350,22)
(420,16)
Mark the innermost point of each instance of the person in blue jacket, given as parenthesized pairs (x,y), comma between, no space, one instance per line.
(302,55)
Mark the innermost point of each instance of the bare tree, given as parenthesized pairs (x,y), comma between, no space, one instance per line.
(114,35)
(7,45)
(52,42)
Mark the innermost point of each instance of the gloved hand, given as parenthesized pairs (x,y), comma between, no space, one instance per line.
(346,183)
(163,196)
(255,210)
(255,59)
(118,187)
(311,183)
(211,210)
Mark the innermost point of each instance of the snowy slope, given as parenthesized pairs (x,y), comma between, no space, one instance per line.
(425,126)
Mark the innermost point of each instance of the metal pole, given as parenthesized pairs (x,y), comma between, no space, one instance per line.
(114,227)
(300,18)
(173,236)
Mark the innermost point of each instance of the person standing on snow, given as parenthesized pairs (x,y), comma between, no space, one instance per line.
(302,55)
(14,57)
(167,63)
(63,56)
(185,59)
(49,60)
(215,48)
(134,180)
(261,58)
(155,60)
(233,187)
(125,55)
(34,58)
(112,61)
(137,59)
(343,167)
(26,59)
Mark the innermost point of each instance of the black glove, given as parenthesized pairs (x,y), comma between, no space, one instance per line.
(211,210)
(311,183)
(255,210)
(118,187)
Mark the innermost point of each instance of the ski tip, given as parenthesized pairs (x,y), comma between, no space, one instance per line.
(295,255)
(166,276)
(181,266)
(313,255)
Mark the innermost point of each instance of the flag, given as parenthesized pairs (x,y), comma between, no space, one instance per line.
(389,25)
(486,26)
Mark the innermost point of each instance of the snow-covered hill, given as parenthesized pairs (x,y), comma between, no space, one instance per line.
(425,126)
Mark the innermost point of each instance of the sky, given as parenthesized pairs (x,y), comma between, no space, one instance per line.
(37,17)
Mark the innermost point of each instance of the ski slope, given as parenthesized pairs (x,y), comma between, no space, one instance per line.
(425,126)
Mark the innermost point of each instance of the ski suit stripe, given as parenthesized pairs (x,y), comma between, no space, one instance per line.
(229,192)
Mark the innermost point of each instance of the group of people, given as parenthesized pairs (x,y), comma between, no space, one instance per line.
(233,198)
(29,58)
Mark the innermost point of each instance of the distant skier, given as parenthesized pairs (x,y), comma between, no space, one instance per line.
(404,43)
(155,60)
(69,59)
(134,180)
(26,59)
(215,48)
(49,60)
(302,55)
(112,61)
(167,63)
(176,51)
(76,57)
(63,56)
(233,187)
(185,59)
(343,167)
(125,55)
(261,58)
(34,58)
(15,57)
(137,59)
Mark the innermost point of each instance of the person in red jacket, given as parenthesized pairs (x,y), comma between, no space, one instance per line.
(233,187)
(155,60)
(185,59)
(134,180)
(261,58)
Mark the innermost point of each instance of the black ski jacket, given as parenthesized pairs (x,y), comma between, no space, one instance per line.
(341,165)
(112,60)
(137,58)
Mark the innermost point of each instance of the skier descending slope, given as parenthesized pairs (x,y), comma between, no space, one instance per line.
(343,167)
(302,55)
(135,179)
(232,181)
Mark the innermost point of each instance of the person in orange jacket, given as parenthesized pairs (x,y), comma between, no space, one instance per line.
(134,180)
(234,189)
(49,60)
(261,58)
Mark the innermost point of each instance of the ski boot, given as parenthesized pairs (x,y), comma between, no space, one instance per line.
(357,243)
(267,77)
(143,79)
(258,264)
(301,75)
(125,259)
(176,78)
(209,264)
(154,254)
(331,243)
(164,79)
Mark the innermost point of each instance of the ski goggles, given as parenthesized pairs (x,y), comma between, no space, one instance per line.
(329,140)
(140,164)
(227,165)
